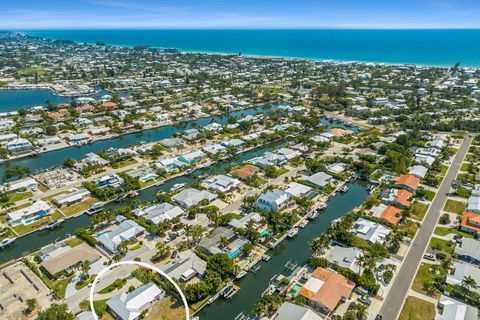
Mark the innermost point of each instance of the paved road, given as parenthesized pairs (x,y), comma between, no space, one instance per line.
(394,301)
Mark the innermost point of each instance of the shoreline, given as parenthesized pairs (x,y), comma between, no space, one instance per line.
(259,56)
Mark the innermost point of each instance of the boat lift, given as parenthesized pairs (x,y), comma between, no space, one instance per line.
(291,265)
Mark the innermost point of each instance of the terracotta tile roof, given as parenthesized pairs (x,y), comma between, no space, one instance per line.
(468,218)
(109,104)
(335,286)
(402,197)
(407,180)
(391,214)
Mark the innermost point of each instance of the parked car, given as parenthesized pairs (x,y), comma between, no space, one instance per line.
(365,300)
(430,257)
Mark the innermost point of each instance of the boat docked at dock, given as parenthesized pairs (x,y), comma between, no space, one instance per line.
(229,291)
(96,207)
(241,274)
(6,242)
(303,224)
(292,233)
(55,224)
(177,186)
(266,257)
(343,189)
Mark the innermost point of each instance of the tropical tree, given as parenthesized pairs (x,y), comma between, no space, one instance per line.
(468,282)
(361,261)
(195,232)
(31,304)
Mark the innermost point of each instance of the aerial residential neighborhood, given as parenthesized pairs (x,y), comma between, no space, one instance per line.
(266,188)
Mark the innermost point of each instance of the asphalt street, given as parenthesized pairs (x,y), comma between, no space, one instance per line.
(394,301)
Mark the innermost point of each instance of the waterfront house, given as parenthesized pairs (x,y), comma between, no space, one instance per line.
(319,179)
(211,245)
(234,143)
(407,181)
(214,148)
(91,159)
(185,266)
(191,197)
(4,138)
(130,306)
(242,222)
(221,183)
(192,157)
(156,213)
(71,198)
(190,134)
(469,250)
(109,180)
(337,168)
(78,138)
(66,258)
(452,309)
(298,190)
(290,311)
(274,200)
(30,214)
(143,174)
(345,257)
(19,145)
(169,164)
(170,142)
(124,231)
(470,222)
(397,197)
(326,289)
(371,231)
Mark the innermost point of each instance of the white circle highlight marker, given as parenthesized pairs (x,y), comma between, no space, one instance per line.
(141,264)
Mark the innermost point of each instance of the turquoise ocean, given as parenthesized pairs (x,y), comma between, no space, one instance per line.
(443,47)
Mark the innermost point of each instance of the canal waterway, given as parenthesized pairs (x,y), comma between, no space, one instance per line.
(296,250)
(34,241)
(14,99)
(56,158)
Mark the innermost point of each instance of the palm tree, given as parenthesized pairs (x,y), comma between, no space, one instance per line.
(361,261)
(223,241)
(361,310)
(468,282)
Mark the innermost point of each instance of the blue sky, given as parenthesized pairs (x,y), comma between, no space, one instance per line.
(61,14)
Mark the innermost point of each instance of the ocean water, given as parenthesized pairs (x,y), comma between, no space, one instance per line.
(443,47)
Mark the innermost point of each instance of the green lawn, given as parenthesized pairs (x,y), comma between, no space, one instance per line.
(418,210)
(443,231)
(443,169)
(463,192)
(81,284)
(117,284)
(454,206)
(57,286)
(409,229)
(6,232)
(423,275)
(429,195)
(79,207)
(11,198)
(442,245)
(54,195)
(73,242)
(417,309)
(23,229)
(124,163)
